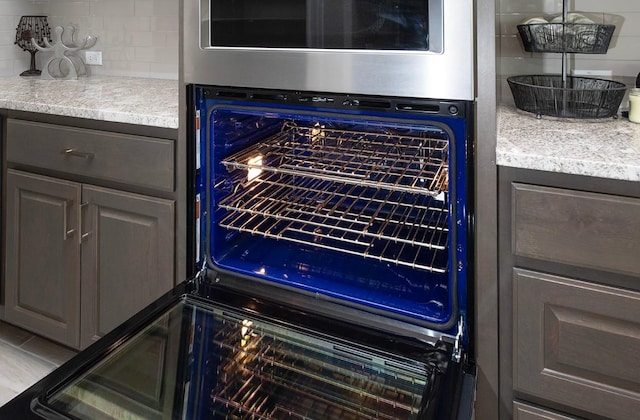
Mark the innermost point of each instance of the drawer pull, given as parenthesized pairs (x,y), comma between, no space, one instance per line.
(76,153)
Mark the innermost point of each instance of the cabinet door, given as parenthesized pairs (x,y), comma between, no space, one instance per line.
(127,256)
(577,344)
(43,256)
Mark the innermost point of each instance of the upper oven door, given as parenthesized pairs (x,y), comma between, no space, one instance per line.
(407,48)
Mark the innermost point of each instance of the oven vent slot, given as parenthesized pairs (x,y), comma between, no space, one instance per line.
(270,97)
(375,195)
(417,107)
(368,103)
(230,94)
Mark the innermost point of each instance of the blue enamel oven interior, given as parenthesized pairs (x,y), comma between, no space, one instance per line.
(308,263)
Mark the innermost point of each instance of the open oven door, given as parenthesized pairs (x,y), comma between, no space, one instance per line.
(188,358)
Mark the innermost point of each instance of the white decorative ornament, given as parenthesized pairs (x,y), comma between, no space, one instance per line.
(65,64)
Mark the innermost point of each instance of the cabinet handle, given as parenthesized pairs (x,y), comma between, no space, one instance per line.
(77,153)
(83,236)
(67,233)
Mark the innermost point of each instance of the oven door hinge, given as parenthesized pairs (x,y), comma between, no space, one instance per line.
(200,277)
(457,346)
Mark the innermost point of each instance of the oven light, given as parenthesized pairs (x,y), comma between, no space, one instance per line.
(246,325)
(317,132)
(255,169)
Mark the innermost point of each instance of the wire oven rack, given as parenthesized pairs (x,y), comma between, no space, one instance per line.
(262,376)
(376,195)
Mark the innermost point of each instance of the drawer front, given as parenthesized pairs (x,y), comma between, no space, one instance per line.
(577,343)
(590,230)
(135,160)
(528,412)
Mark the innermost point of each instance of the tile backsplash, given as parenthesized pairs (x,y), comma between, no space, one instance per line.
(137,38)
(622,58)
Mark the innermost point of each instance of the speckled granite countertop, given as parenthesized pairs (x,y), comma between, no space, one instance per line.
(152,102)
(601,148)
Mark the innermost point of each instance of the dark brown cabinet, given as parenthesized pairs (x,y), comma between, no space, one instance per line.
(84,250)
(42,270)
(127,257)
(569,296)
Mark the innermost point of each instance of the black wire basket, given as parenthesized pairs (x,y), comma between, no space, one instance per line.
(582,38)
(581,97)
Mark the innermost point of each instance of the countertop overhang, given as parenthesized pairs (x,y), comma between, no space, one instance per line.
(607,148)
(148,102)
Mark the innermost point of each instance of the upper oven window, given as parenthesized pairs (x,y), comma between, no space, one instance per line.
(324,24)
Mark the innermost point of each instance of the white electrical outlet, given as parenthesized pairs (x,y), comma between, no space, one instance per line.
(93,58)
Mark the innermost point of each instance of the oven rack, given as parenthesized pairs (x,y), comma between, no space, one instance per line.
(254,396)
(399,227)
(255,372)
(373,159)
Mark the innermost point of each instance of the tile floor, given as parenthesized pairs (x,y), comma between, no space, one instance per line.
(24,359)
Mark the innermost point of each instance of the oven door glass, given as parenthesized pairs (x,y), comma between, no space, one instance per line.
(323,24)
(201,361)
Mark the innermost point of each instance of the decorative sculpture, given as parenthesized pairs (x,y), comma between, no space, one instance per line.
(65,64)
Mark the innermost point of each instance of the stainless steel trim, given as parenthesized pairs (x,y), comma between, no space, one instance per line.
(445,74)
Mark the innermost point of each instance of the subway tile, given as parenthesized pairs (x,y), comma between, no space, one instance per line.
(165,8)
(67,8)
(111,8)
(121,26)
(118,53)
(627,25)
(18,8)
(143,8)
(140,39)
(612,6)
(7,38)
(164,23)
(7,23)
(531,6)
(6,67)
(163,70)
(126,23)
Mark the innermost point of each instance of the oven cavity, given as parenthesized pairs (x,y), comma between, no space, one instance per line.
(340,205)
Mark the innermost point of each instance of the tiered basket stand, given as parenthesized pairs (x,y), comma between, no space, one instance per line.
(562,95)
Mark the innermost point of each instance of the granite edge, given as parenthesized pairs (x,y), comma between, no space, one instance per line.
(509,155)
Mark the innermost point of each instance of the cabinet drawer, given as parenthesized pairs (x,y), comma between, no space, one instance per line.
(590,230)
(528,412)
(577,343)
(135,160)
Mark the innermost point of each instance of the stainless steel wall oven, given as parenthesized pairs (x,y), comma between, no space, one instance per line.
(412,48)
(349,208)
(331,209)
